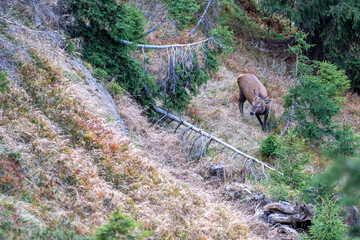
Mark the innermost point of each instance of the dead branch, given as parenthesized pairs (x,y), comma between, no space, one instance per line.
(166,46)
(201,18)
(288,120)
(207,135)
(155,27)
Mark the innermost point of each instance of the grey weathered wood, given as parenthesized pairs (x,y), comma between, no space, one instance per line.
(201,18)
(154,28)
(166,46)
(207,135)
(283,208)
(288,119)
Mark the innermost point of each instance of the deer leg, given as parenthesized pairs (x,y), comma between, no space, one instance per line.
(242,99)
(265,117)
(258,117)
(266,114)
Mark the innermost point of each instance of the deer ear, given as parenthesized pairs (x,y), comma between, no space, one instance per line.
(261,96)
(267,101)
(255,93)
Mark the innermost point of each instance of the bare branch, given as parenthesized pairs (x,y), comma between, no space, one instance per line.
(166,46)
(288,121)
(154,28)
(201,18)
(207,135)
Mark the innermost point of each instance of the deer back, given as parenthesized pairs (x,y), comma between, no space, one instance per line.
(248,83)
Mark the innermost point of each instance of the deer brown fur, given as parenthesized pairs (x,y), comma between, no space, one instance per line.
(252,90)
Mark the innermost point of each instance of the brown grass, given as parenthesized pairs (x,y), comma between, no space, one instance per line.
(77,160)
(350,113)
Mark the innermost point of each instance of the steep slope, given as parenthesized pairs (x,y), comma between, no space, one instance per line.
(67,161)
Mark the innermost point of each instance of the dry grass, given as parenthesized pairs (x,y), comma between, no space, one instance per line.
(350,113)
(80,166)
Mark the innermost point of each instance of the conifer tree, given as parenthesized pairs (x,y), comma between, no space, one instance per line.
(333,28)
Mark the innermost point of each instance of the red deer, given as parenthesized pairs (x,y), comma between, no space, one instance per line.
(251,89)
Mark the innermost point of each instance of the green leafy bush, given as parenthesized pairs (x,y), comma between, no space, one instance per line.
(330,74)
(69,47)
(114,88)
(291,159)
(100,73)
(183,84)
(317,96)
(346,141)
(224,37)
(315,189)
(279,192)
(269,146)
(182,11)
(3,82)
(102,24)
(332,26)
(120,226)
(327,224)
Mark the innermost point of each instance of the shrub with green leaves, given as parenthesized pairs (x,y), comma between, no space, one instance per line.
(278,192)
(317,96)
(102,24)
(315,189)
(100,73)
(333,28)
(3,82)
(269,146)
(291,159)
(327,224)
(346,142)
(330,74)
(183,84)
(224,37)
(182,11)
(120,226)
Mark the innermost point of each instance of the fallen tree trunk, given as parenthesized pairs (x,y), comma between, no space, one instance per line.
(285,213)
(212,138)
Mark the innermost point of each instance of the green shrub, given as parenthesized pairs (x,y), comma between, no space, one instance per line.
(269,145)
(69,47)
(183,84)
(315,189)
(330,74)
(120,226)
(346,141)
(3,82)
(114,88)
(327,224)
(223,36)
(102,24)
(182,11)
(291,159)
(100,73)
(317,95)
(278,192)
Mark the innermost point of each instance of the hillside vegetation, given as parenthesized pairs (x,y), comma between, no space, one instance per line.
(83,155)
